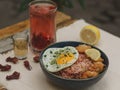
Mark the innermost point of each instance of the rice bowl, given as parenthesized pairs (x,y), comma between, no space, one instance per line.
(73,83)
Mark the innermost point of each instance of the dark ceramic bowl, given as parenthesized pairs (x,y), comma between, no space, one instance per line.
(72,84)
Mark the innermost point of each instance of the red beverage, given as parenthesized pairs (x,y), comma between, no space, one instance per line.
(42,24)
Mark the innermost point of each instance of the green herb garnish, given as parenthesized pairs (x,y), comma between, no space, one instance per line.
(56,52)
(51,52)
(45,55)
(53,62)
(57,67)
(54,56)
(46,65)
(74,53)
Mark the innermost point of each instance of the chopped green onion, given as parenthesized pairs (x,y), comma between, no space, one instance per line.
(45,55)
(54,56)
(51,52)
(57,67)
(52,62)
(46,65)
(74,53)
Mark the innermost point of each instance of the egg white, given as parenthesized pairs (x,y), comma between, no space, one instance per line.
(51,54)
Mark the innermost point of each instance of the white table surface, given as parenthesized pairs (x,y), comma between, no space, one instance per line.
(35,79)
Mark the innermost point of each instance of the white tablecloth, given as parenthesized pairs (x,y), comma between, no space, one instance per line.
(35,79)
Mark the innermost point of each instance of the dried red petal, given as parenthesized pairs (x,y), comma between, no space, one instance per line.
(13,60)
(27,65)
(5,67)
(40,41)
(15,75)
(36,59)
(0,66)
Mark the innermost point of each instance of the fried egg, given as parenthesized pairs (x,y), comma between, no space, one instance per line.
(56,59)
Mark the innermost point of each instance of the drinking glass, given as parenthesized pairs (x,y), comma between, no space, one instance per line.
(42,24)
(20,45)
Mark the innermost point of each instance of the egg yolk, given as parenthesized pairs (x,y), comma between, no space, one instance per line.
(65,58)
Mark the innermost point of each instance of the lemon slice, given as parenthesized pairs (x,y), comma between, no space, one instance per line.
(90,34)
(94,54)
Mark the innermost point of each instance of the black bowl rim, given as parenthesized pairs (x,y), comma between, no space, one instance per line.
(42,66)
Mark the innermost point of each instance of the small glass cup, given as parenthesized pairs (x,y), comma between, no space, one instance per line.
(42,24)
(20,45)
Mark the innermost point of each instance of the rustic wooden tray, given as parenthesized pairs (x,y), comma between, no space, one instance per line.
(61,20)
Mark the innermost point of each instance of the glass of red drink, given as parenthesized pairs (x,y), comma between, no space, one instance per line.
(42,24)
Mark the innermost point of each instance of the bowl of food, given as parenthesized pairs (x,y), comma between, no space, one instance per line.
(73,65)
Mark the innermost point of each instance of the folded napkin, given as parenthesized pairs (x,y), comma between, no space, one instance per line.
(6,44)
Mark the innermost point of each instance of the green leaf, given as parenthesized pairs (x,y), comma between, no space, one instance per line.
(61,4)
(82,3)
(68,3)
(24,5)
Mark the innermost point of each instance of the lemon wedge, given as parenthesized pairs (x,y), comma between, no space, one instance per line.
(90,34)
(94,54)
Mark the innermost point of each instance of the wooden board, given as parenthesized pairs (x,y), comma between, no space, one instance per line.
(20,26)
